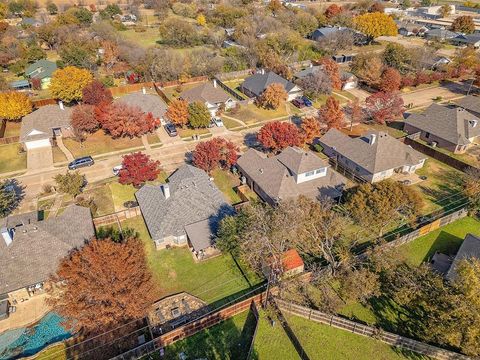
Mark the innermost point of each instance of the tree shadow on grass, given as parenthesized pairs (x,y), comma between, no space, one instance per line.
(445,243)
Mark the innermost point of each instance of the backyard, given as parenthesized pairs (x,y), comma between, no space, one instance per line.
(11,159)
(175,270)
(226,181)
(100,143)
(146,39)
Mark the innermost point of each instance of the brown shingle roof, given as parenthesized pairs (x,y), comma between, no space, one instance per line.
(448,123)
(43,121)
(38,246)
(148,103)
(384,154)
(205,92)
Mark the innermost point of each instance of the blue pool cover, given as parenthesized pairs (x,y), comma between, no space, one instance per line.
(28,341)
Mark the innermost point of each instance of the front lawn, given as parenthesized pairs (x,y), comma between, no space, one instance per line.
(188,132)
(325,342)
(100,143)
(11,159)
(174,270)
(121,194)
(228,340)
(446,239)
(251,114)
(226,181)
(102,197)
(230,123)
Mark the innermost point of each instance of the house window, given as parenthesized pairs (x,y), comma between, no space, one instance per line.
(357,169)
(321,171)
(427,135)
(309,173)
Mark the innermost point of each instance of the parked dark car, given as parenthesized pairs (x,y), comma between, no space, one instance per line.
(307,101)
(171,129)
(298,103)
(81,162)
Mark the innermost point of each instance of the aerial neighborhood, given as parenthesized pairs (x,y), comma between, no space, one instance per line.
(239,179)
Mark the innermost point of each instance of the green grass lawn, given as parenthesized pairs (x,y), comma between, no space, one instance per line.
(234,85)
(174,270)
(11,159)
(325,342)
(251,114)
(447,240)
(228,340)
(226,181)
(100,143)
(57,352)
(121,194)
(467,157)
(442,182)
(145,39)
(188,133)
(230,123)
(272,342)
(103,199)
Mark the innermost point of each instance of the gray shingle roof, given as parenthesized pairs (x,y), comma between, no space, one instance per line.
(308,71)
(384,154)
(325,31)
(200,234)
(38,246)
(41,69)
(448,123)
(148,103)
(205,92)
(257,83)
(43,121)
(469,249)
(193,198)
(274,178)
(441,34)
(470,103)
(468,39)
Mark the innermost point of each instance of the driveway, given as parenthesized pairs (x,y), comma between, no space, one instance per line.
(359,93)
(39,159)
(164,137)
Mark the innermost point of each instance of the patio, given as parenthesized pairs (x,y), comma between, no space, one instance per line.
(26,313)
(407,179)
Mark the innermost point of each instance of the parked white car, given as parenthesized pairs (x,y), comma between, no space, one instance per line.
(116,170)
(218,122)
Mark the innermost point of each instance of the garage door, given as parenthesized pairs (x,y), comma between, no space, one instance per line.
(37,144)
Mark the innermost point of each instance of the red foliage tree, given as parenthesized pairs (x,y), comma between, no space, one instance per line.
(276,136)
(96,93)
(333,71)
(177,112)
(137,168)
(83,119)
(331,114)
(311,129)
(36,83)
(356,111)
(408,81)
(391,80)
(119,119)
(218,152)
(384,106)
(422,78)
(333,10)
(115,279)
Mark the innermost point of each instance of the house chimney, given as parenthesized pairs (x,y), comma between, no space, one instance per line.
(144,91)
(166,190)
(372,138)
(262,72)
(214,83)
(473,123)
(60,103)
(7,235)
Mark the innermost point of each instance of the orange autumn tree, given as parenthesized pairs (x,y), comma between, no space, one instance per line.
(273,96)
(311,129)
(333,71)
(102,285)
(177,112)
(14,105)
(331,114)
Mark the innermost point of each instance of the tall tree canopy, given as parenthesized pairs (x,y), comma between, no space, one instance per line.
(375,24)
(102,285)
(138,168)
(463,24)
(273,96)
(331,114)
(214,153)
(96,93)
(177,112)
(276,136)
(67,84)
(14,105)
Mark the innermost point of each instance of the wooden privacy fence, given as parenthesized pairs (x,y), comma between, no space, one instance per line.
(207,321)
(130,88)
(369,331)
(9,140)
(43,102)
(117,217)
(178,82)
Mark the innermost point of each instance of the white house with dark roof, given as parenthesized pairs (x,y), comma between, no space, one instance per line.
(292,173)
(31,248)
(255,85)
(41,126)
(210,94)
(452,128)
(185,210)
(373,157)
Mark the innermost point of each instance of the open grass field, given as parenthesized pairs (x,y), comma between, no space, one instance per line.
(145,39)
(174,270)
(446,240)
(328,343)
(228,340)
(251,114)
(11,159)
(100,143)
(226,181)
